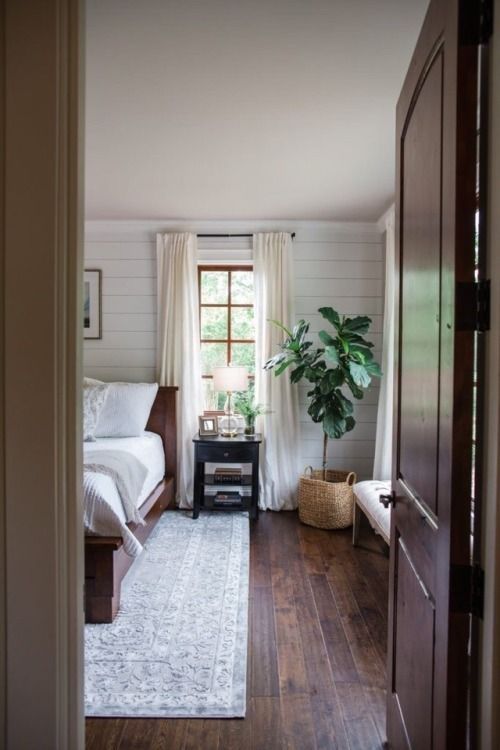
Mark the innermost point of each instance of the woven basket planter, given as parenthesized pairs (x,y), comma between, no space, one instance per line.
(326,504)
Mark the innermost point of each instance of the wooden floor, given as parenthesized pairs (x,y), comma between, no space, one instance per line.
(317,644)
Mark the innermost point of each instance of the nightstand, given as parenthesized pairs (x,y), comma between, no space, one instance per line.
(219,450)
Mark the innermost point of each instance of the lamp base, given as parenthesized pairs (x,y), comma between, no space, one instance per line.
(228,425)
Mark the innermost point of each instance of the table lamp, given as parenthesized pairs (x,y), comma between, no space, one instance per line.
(229,379)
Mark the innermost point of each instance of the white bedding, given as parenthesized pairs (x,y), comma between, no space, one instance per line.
(148,449)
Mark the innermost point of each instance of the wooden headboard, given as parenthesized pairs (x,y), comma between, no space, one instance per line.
(163,421)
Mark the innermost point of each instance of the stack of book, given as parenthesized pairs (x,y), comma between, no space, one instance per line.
(227,475)
(227,498)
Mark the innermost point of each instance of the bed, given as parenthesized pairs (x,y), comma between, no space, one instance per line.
(108,558)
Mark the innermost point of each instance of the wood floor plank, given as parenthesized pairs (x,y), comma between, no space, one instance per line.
(103,733)
(370,666)
(201,733)
(137,734)
(311,552)
(260,566)
(236,734)
(334,635)
(375,699)
(264,675)
(329,727)
(361,728)
(291,669)
(170,733)
(267,729)
(297,721)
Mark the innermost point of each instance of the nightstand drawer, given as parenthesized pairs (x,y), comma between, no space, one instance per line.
(227,453)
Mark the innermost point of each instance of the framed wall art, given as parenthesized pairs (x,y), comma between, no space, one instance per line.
(92,297)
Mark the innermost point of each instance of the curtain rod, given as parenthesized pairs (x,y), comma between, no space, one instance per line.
(232,235)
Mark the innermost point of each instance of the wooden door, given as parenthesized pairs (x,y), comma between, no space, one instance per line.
(431,573)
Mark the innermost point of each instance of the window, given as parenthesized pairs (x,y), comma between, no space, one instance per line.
(227,330)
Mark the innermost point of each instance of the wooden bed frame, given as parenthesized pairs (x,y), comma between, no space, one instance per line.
(105,559)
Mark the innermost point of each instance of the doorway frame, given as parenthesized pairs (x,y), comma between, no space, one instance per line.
(41,525)
(62,237)
(489,688)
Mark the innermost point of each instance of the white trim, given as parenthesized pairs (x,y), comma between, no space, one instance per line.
(382,222)
(132,231)
(42,379)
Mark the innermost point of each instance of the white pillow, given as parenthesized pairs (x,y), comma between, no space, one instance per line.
(94,397)
(91,381)
(126,410)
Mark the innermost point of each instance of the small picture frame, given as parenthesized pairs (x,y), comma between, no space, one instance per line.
(92,327)
(208,426)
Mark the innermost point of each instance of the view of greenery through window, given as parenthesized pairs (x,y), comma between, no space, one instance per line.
(226,324)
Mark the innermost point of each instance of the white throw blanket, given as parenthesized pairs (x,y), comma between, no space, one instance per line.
(128,474)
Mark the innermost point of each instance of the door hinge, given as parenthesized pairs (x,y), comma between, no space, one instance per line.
(473,306)
(467,589)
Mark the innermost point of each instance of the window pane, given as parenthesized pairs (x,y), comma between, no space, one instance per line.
(242,323)
(242,287)
(214,287)
(212,401)
(214,322)
(211,356)
(243,354)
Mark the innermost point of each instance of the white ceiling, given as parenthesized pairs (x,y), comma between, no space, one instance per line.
(244,109)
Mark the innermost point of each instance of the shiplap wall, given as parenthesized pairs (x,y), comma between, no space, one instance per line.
(340,265)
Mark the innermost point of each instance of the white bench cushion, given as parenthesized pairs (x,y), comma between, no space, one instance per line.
(367,496)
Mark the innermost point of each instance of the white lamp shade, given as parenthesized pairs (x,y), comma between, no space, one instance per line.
(230,379)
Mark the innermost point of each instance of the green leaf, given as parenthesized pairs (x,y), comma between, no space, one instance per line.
(326,339)
(359,324)
(297,374)
(350,423)
(282,367)
(355,390)
(324,386)
(333,425)
(332,355)
(345,404)
(316,410)
(361,353)
(345,344)
(330,315)
(280,325)
(359,375)
(374,369)
(332,379)
(336,377)
(274,361)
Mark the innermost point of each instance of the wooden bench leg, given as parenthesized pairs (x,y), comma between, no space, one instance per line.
(356,524)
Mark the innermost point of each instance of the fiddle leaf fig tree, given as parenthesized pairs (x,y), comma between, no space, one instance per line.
(343,363)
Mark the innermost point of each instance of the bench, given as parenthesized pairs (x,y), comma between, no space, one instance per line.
(366,500)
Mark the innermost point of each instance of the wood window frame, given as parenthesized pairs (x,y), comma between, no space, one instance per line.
(229,305)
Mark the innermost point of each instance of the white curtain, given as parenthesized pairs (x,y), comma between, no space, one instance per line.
(272,259)
(383,441)
(178,350)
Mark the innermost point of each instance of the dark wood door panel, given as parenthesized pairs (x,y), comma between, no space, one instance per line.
(420,289)
(419,535)
(412,672)
(437,120)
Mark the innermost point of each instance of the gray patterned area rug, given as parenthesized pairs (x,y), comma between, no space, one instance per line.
(178,646)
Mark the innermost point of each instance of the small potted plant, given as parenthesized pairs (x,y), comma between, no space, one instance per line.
(249,410)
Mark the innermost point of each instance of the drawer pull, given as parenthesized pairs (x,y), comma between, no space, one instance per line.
(226,454)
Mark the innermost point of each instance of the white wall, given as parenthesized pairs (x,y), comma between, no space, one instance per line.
(335,264)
